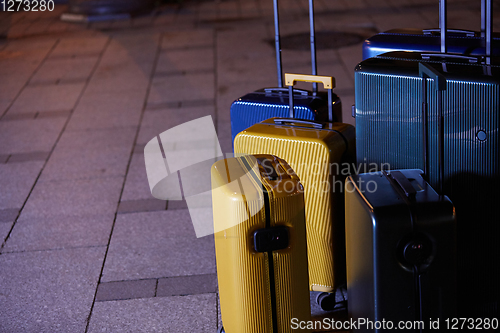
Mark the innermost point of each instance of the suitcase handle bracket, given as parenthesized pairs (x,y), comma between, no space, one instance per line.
(466,33)
(282,121)
(300,92)
(428,56)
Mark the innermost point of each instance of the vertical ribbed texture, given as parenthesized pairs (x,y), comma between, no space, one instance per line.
(245,114)
(290,265)
(389,130)
(243,274)
(303,154)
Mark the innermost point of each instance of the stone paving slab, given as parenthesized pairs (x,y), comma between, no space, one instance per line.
(80,46)
(187,39)
(155,122)
(136,185)
(16,182)
(48,291)
(66,69)
(58,232)
(39,98)
(122,290)
(4,230)
(181,88)
(157,244)
(27,136)
(74,198)
(182,314)
(186,60)
(187,285)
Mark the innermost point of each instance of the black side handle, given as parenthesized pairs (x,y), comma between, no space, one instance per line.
(271,239)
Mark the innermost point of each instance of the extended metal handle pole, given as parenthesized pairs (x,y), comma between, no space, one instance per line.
(489,27)
(313,43)
(442,24)
(278,44)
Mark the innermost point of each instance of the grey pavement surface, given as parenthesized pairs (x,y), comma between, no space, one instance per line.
(84,247)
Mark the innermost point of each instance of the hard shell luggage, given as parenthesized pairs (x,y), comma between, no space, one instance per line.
(260,244)
(320,153)
(459,41)
(389,133)
(400,240)
(273,102)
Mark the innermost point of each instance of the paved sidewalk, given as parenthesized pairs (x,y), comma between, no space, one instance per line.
(84,245)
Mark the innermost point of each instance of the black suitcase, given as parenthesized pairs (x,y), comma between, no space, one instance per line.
(389,133)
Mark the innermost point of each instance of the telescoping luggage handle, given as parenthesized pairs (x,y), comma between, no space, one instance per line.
(426,71)
(291,79)
(277,42)
(486,32)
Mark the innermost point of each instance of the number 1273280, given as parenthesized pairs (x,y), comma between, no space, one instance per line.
(27,5)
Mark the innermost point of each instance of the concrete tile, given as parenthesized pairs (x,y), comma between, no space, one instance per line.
(4,158)
(97,139)
(158,121)
(181,88)
(58,232)
(121,290)
(52,114)
(8,215)
(79,46)
(18,116)
(187,285)
(47,98)
(74,198)
(137,185)
(105,118)
(48,291)
(78,68)
(16,181)
(28,157)
(176,204)
(187,39)
(142,205)
(86,163)
(157,244)
(195,313)
(27,136)
(4,230)
(185,60)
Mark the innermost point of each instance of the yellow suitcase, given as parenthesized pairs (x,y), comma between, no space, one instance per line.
(260,245)
(321,154)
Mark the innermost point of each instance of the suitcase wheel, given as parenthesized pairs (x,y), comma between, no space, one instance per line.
(221,330)
(328,302)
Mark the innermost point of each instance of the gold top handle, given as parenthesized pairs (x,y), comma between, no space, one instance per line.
(328,81)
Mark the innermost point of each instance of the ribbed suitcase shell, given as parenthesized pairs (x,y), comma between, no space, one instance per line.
(389,135)
(243,273)
(259,106)
(302,148)
(415,40)
(380,283)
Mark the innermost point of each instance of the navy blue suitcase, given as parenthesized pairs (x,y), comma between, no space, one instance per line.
(273,102)
(458,41)
(389,134)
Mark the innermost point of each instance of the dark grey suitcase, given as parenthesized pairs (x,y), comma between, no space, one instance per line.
(400,251)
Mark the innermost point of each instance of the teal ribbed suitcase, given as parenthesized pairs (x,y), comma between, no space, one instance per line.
(389,135)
